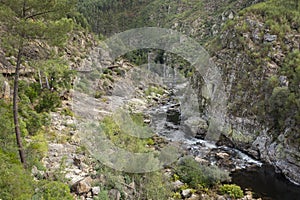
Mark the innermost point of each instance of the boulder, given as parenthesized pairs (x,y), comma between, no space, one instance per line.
(222,155)
(194,197)
(270,38)
(201,160)
(221,198)
(197,125)
(82,186)
(96,190)
(186,193)
(177,184)
(224,141)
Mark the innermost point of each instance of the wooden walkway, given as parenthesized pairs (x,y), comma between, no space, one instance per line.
(11,70)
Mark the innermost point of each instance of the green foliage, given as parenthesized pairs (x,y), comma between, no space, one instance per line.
(15,182)
(52,190)
(281,17)
(1,83)
(103,195)
(232,190)
(282,105)
(155,186)
(177,195)
(58,72)
(122,139)
(275,102)
(154,90)
(41,20)
(33,120)
(192,173)
(137,57)
(49,101)
(37,148)
(7,137)
(108,17)
(80,20)
(98,94)
(291,68)
(67,111)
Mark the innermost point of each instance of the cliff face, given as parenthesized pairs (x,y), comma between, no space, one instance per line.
(258,52)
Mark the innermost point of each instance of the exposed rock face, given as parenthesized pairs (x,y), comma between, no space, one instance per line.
(249,127)
(280,154)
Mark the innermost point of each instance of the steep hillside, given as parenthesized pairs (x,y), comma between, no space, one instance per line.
(259,53)
(257,47)
(200,19)
(254,43)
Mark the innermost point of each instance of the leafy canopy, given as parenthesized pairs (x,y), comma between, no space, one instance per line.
(27,20)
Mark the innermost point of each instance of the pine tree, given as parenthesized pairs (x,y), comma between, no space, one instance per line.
(25,22)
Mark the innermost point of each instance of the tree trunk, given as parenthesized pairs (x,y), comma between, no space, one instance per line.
(40,79)
(15,108)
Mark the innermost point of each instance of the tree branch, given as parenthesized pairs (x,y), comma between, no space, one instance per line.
(40,13)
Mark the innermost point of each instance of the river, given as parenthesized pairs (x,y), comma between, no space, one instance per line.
(247,172)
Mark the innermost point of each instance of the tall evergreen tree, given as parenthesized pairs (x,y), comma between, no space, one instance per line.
(27,21)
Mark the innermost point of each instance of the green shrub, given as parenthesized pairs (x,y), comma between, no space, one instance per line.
(32,90)
(37,148)
(103,195)
(121,137)
(15,182)
(232,190)
(192,173)
(52,190)
(49,101)
(155,186)
(7,138)
(154,90)
(2,79)
(99,94)
(107,71)
(68,112)
(34,121)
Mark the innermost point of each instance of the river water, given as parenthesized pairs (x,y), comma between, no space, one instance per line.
(266,183)
(247,172)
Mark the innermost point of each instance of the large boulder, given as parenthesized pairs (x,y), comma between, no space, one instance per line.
(82,186)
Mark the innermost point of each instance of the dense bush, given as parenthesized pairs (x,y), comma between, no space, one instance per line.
(155,186)
(48,101)
(232,190)
(194,174)
(52,190)
(121,138)
(15,182)
(37,148)
(103,195)
(7,139)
